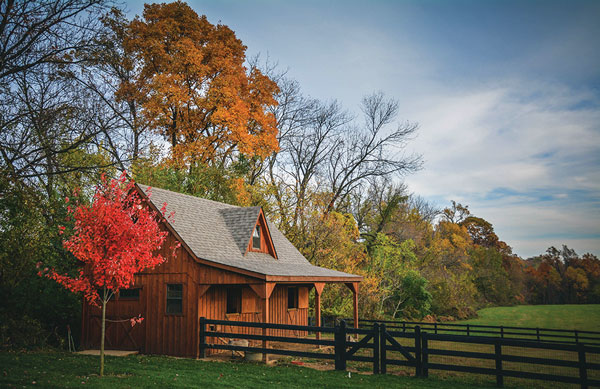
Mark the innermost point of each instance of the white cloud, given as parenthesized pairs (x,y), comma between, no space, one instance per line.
(516,141)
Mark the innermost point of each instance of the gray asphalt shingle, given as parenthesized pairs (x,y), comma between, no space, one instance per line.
(220,233)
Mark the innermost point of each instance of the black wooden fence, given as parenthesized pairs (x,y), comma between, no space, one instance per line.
(525,333)
(384,348)
(580,364)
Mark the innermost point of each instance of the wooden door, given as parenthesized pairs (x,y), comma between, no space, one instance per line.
(119,334)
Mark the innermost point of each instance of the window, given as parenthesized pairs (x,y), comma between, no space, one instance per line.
(234,300)
(292,297)
(174,299)
(129,294)
(100,292)
(256,238)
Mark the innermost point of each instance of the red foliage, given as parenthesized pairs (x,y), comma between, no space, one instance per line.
(136,320)
(115,237)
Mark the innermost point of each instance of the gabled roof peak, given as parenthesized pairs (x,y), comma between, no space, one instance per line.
(266,241)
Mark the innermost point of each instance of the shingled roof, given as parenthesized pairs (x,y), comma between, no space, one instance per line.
(220,233)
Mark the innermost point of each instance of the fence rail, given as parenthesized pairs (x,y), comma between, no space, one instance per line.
(511,332)
(499,356)
(383,345)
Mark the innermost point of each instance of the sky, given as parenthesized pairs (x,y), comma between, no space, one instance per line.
(506,94)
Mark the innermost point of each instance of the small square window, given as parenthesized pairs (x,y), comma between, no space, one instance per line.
(292,297)
(174,299)
(129,294)
(234,300)
(256,238)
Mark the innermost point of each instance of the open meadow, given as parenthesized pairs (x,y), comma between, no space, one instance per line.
(585,317)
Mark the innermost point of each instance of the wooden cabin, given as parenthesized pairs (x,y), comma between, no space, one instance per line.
(233,264)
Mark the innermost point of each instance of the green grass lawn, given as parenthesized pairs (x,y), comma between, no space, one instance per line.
(568,317)
(64,370)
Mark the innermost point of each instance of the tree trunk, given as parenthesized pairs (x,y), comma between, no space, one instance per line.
(102,334)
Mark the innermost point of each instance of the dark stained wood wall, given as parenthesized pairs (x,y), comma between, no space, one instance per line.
(280,314)
(213,305)
(120,335)
(177,335)
(170,334)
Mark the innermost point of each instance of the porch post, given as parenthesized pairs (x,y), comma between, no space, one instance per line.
(355,293)
(318,290)
(353,286)
(266,319)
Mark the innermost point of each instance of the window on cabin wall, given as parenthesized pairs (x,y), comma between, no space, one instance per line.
(292,297)
(234,300)
(134,217)
(174,299)
(129,294)
(100,292)
(256,238)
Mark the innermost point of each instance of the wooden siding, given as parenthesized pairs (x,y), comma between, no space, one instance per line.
(279,312)
(213,305)
(303,297)
(120,335)
(177,334)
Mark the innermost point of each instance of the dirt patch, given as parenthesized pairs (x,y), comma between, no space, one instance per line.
(112,353)
(321,366)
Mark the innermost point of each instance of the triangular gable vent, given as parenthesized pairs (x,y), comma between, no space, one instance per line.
(260,239)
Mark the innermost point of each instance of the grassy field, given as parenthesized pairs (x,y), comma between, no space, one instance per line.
(568,317)
(64,370)
(571,317)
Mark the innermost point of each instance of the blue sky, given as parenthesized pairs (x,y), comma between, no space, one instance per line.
(507,95)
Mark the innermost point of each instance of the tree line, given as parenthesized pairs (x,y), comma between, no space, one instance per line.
(174,100)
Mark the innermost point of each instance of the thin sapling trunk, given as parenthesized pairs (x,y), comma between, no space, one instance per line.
(104,299)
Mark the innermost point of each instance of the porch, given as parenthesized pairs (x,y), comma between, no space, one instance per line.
(282,303)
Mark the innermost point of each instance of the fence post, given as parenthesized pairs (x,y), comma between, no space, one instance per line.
(435,327)
(418,354)
(498,355)
(502,331)
(576,336)
(425,351)
(468,330)
(376,355)
(537,334)
(340,346)
(202,335)
(582,366)
(382,349)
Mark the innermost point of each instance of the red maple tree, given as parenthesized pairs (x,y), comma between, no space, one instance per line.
(114,237)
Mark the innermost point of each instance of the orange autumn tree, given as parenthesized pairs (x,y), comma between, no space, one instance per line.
(196,90)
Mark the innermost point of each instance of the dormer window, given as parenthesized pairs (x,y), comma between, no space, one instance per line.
(260,237)
(256,238)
